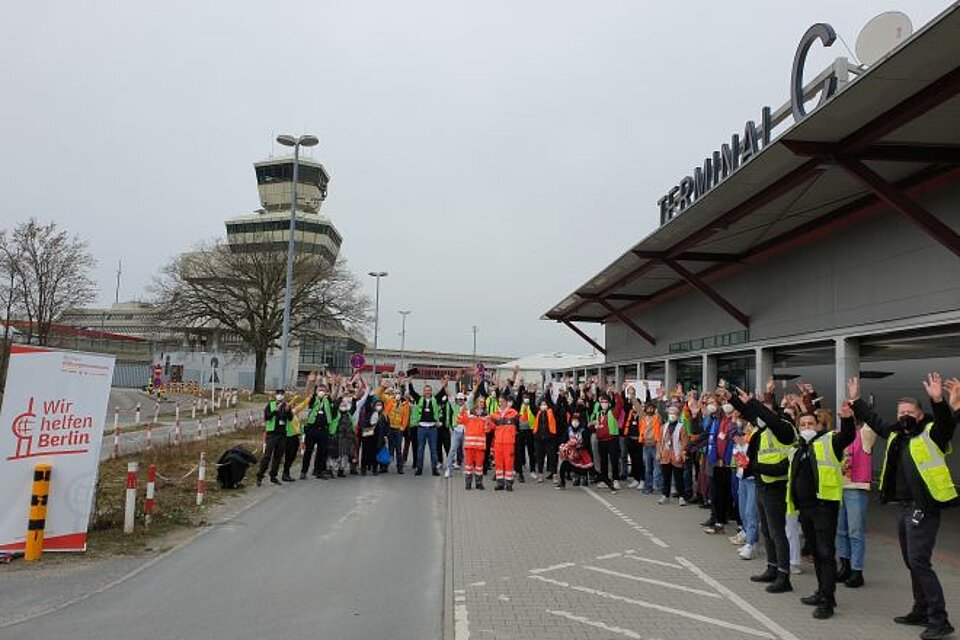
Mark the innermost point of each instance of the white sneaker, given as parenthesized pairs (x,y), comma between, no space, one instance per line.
(616,485)
(682,502)
(663,500)
(795,569)
(746,552)
(446,474)
(641,485)
(633,484)
(740,539)
(533,475)
(456,465)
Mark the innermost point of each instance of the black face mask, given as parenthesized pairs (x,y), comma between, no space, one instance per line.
(908,424)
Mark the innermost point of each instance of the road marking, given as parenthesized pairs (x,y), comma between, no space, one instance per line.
(652,561)
(477,584)
(627,633)
(459,591)
(461,623)
(562,565)
(752,611)
(627,519)
(657,607)
(503,598)
(659,583)
(609,556)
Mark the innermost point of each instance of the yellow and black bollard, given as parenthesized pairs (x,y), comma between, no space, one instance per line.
(38,512)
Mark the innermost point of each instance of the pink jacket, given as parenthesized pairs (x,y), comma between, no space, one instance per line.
(857,466)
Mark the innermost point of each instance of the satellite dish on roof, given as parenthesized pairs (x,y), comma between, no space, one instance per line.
(881,35)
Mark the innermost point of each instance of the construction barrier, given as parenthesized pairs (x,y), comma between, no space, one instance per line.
(38,512)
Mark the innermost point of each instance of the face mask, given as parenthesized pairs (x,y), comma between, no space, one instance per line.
(604,406)
(727,408)
(673,417)
(711,409)
(279,397)
(344,408)
(378,408)
(526,401)
(575,424)
(808,434)
(321,394)
(543,407)
(908,424)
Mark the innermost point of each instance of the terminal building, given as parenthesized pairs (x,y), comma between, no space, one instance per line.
(819,243)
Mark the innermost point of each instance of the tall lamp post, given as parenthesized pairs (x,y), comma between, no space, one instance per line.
(376,321)
(403,337)
(296,143)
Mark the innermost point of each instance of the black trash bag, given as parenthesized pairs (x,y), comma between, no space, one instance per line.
(232,466)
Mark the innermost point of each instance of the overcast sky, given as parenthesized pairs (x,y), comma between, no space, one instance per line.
(491,156)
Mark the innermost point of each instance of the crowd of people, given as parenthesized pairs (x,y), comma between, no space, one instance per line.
(786,467)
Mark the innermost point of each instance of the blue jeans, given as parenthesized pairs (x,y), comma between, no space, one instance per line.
(395,442)
(456,447)
(427,435)
(747,504)
(852,527)
(650,469)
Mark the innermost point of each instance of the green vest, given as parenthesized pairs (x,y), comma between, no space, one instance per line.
(829,476)
(271,424)
(315,410)
(418,409)
(931,463)
(772,451)
(612,425)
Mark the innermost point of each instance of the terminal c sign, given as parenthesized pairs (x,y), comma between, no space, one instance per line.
(730,157)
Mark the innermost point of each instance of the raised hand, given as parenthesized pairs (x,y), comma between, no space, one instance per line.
(846,411)
(934,386)
(853,389)
(953,388)
(744,396)
(770,385)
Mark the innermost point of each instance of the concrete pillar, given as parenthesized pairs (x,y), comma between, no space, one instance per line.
(764,368)
(618,375)
(846,363)
(669,374)
(708,372)
(641,371)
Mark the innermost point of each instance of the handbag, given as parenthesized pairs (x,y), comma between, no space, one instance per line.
(383,456)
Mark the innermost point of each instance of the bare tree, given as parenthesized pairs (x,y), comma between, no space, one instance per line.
(48,272)
(241,292)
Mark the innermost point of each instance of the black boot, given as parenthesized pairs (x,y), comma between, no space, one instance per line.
(509,485)
(469,481)
(522,479)
(844,571)
(781,584)
(823,611)
(479,482)
(813,599)
(500,486)
(767,576)
(855,581)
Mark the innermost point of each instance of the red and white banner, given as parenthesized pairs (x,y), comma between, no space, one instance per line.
(53,412)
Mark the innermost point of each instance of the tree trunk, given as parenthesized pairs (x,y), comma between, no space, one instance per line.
(260,370)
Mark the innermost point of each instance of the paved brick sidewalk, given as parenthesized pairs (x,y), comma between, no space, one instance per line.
(540,563)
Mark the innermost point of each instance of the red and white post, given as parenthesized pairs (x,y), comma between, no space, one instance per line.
(236,420)
(148,505)
(204,406)
(176,426)
(193,411)
(200,429)
(219,424)
(116,432)
(130,508)
(201,478)
(136,414)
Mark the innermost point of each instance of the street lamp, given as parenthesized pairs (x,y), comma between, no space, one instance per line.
(296,143)
(376,320)
(403,336)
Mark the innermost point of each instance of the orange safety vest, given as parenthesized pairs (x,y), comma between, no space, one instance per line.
(474,430)
(551,422)
(505,425)
(642,425)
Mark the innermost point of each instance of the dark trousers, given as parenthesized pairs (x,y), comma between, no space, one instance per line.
(635,453)
(609,460)
(721,496)
(545,449)
(410,442)
(772,507)
(369,446)
(486,453)
(314,437)
(523,452)
(443,441)
(819,524)
(291,446)
(272,455)
(668,471)
(916,545)
(395,442)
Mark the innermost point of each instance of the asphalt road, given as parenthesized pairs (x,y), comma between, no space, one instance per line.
(356,558)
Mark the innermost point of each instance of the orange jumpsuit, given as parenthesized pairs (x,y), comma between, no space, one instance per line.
(474,442)
(505,422)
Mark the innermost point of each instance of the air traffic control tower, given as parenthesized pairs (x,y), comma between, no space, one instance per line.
(268,228)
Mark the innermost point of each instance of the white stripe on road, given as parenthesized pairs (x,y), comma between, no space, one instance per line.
(752,611)
(652,561)
(627,519)
(562,565)
(609,556)
(461,624)
(657,607)
(599,625)
(659,583)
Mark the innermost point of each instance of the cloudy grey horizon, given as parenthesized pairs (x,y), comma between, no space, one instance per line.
(491,157)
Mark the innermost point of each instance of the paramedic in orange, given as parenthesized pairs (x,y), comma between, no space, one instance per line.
(475,428)
(505,421)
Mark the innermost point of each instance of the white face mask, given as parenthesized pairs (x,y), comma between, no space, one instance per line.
(808,434)
(575,424)
(344,407)
(727,408)
(526,401)
(279,397)
(673,417)
(604,406)
(711,409)
(321,393)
